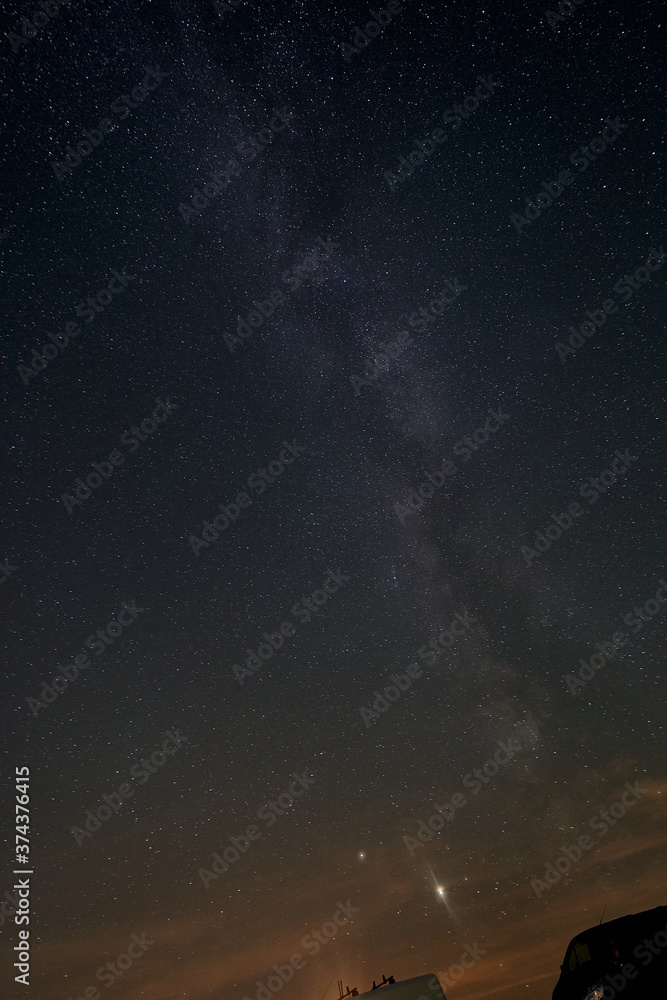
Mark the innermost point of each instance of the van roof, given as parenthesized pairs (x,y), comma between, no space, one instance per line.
(425,987)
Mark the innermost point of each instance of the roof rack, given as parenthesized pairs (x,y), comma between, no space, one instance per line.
(385,982)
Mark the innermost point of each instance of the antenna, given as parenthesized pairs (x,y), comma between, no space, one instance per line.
(603,913)
(326,991)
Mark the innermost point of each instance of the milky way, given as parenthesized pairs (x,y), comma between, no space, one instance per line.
(333,427)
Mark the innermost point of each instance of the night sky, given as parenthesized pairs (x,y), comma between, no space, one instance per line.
(279,285)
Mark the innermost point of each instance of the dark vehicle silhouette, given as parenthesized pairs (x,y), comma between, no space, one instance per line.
(624,958)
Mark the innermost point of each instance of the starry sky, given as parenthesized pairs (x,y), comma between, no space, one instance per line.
(322,201)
